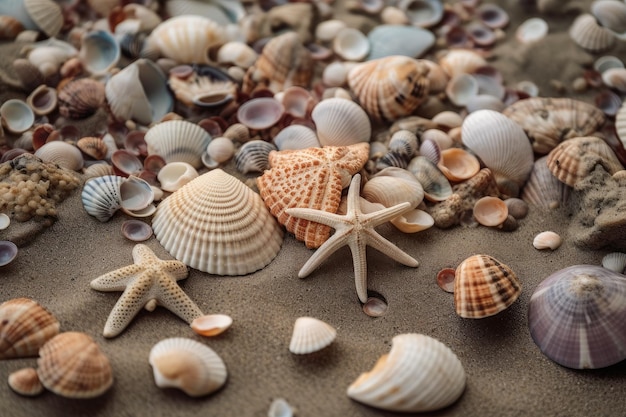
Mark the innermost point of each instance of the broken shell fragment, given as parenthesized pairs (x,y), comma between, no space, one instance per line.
(211,324)
(547,240)
(310,335)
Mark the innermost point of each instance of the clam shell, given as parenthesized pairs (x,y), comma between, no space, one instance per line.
(403,142)
(418,374)
(125,163)
(391,87)
(392,160)
(72,365)
(296,137)
(218,225)
(422,13)
(136,230)
(351,44)
(413,221)
(220,150)
(24,327)
(25,382)
(543,189)
(101,196)
(615,78)
(341,122)
(573,160)
(253,156)
(61,153)
(490,211)
(430,150)
(178,141)
(483,287)
(457,164)
(188,365)
(547,240)
(46,14)
(221,11)
(461,89)
(615,261)
(260,113)
(99,52)
(436,186)
(310,335)
(43,100)
(577,317)
(8,252)
(587,33)
(17,115)
(135,194)
(81,98)
(610,15)
(175,175)
(5,221)
(211,324)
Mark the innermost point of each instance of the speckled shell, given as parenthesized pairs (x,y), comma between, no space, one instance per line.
(178,141)
(72,365)
(187,39)
(61,153)
(81,98)
(296,137)
(310,335)
(25,381)
(548,121)
(587,33)
(101,196)
(253,156)
(218,225)
(577,317)
(419,374)
(24,327)
(341,122)
(483,287)
(573,160)
(188,365)
(391,87)
(543,189)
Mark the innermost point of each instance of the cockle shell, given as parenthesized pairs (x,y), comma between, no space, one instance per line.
(543,189)
(191,366)
(218,225)
(253,156)
(577,317)
(25,381)
(72,365)
(615,261)
(403,142)
(296,137)
(81,98)
(484,286)
(573,160)
(548,121)
(393,186)
(61,153)
(391,87)
(24,327)
(310,335)
(43,100)
(43,15)
(587,33)
(93,147)
(461,61)
(16,115)
(101,196)
(341,122)
(418,374)
(178,141)
(187,39)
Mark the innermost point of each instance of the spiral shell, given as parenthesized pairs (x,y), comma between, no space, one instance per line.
(178,141)
(218,225)
(81,98)
(101,196)
(310,335)
(341,122)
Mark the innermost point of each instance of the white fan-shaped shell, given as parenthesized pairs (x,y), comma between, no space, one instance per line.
(101,196)
(589,35)
(620,123)
(341,122)
(296,137)
(310,335)
(188,365)
(615,261)
(500,143)
(419,374)
(61,153)
(46,14)
(178,141)
(218,225)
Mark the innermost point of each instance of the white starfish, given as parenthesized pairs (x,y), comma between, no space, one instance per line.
(356,230)
(149,282)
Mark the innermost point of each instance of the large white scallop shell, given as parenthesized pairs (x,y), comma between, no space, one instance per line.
(178,141)
(218,225)
(419,374)
(310,335)
(341,122)
(101,196)
(189,365)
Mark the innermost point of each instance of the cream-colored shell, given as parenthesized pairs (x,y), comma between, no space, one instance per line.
(461,61)
(615,261)
(310,335)
(178,141)
(61,153)
(25,381)
(587,33)
(46,14)
(218,225)
(419,374)
(296,137)
(393,186)
(547,240)
(620,123)
(341,122)
(211,324)
(490,211)
(237,53)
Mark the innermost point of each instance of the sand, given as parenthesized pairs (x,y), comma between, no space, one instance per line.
(507,375)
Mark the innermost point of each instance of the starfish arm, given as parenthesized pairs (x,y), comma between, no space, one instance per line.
(175,269)
(318,216)
(172,297)
(337,240)
(381,244)
(132,300)
(142,254)
(359,260)
(116,280)
(381,216)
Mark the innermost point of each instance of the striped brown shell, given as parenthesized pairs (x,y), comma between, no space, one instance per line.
(81,98)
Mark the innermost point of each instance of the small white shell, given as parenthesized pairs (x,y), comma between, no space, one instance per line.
(335,74)
(615,78)
(237,53)
(135,194)
(532,30)
(351,44)
(547,240)
(296,137)
(211,324)
(461,89)
(310,335)
(178,141)
(419,374)
(61,153)
(176,174)
(615,261)
(328,29)
(341,122)
(101,196)
(461,61)
(188,365)
(220,149)
(587,33)
(17,116)
(5,221)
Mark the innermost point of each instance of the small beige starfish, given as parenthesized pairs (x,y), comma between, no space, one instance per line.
(356,230)
(149,282)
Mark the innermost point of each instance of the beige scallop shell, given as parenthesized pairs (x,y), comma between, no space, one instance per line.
(341,122)
(393,186)
(25,381)
(483,287)
(61,153)
(24,327)
(218,225)
(543,189)
(178,141)
(418,374)
(187,39)
(310,335)
(72,365)
(588,34)
(46,14)
(188,365)
(391,87)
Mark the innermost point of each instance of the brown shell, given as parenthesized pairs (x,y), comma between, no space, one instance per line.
(574,159)
(81,98)
(309,178)
(484,286)
(391,87)
(93,147)
(25,381)
(284,62)
(72,365)
(10,27)
(24,327)
(548,121)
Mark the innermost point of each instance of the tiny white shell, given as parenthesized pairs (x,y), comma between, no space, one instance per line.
(547,240)
(5,221)
(310,335)
(532,30)
(615,261)
(17,116)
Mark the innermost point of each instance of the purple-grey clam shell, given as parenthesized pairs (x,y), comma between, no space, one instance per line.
(8,252)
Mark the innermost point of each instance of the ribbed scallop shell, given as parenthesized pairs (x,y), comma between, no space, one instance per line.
(188,365)
(296,137)
(24,328)
(101,196)
(573,160)
(391,87)
(615,261)
(310,335)
(81,98)
(543,189)
(620,124)
(218,225)
(253,156)
(419,374)
(61,153)
(404,142)
(341,122)
(178,141)
(484,286)
(500,143)
(548,121)
(93,146)
(72,365)
(47,14)
(588,34)
(187,39)
(577,317)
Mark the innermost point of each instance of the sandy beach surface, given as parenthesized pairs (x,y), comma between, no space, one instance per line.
(507,375)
